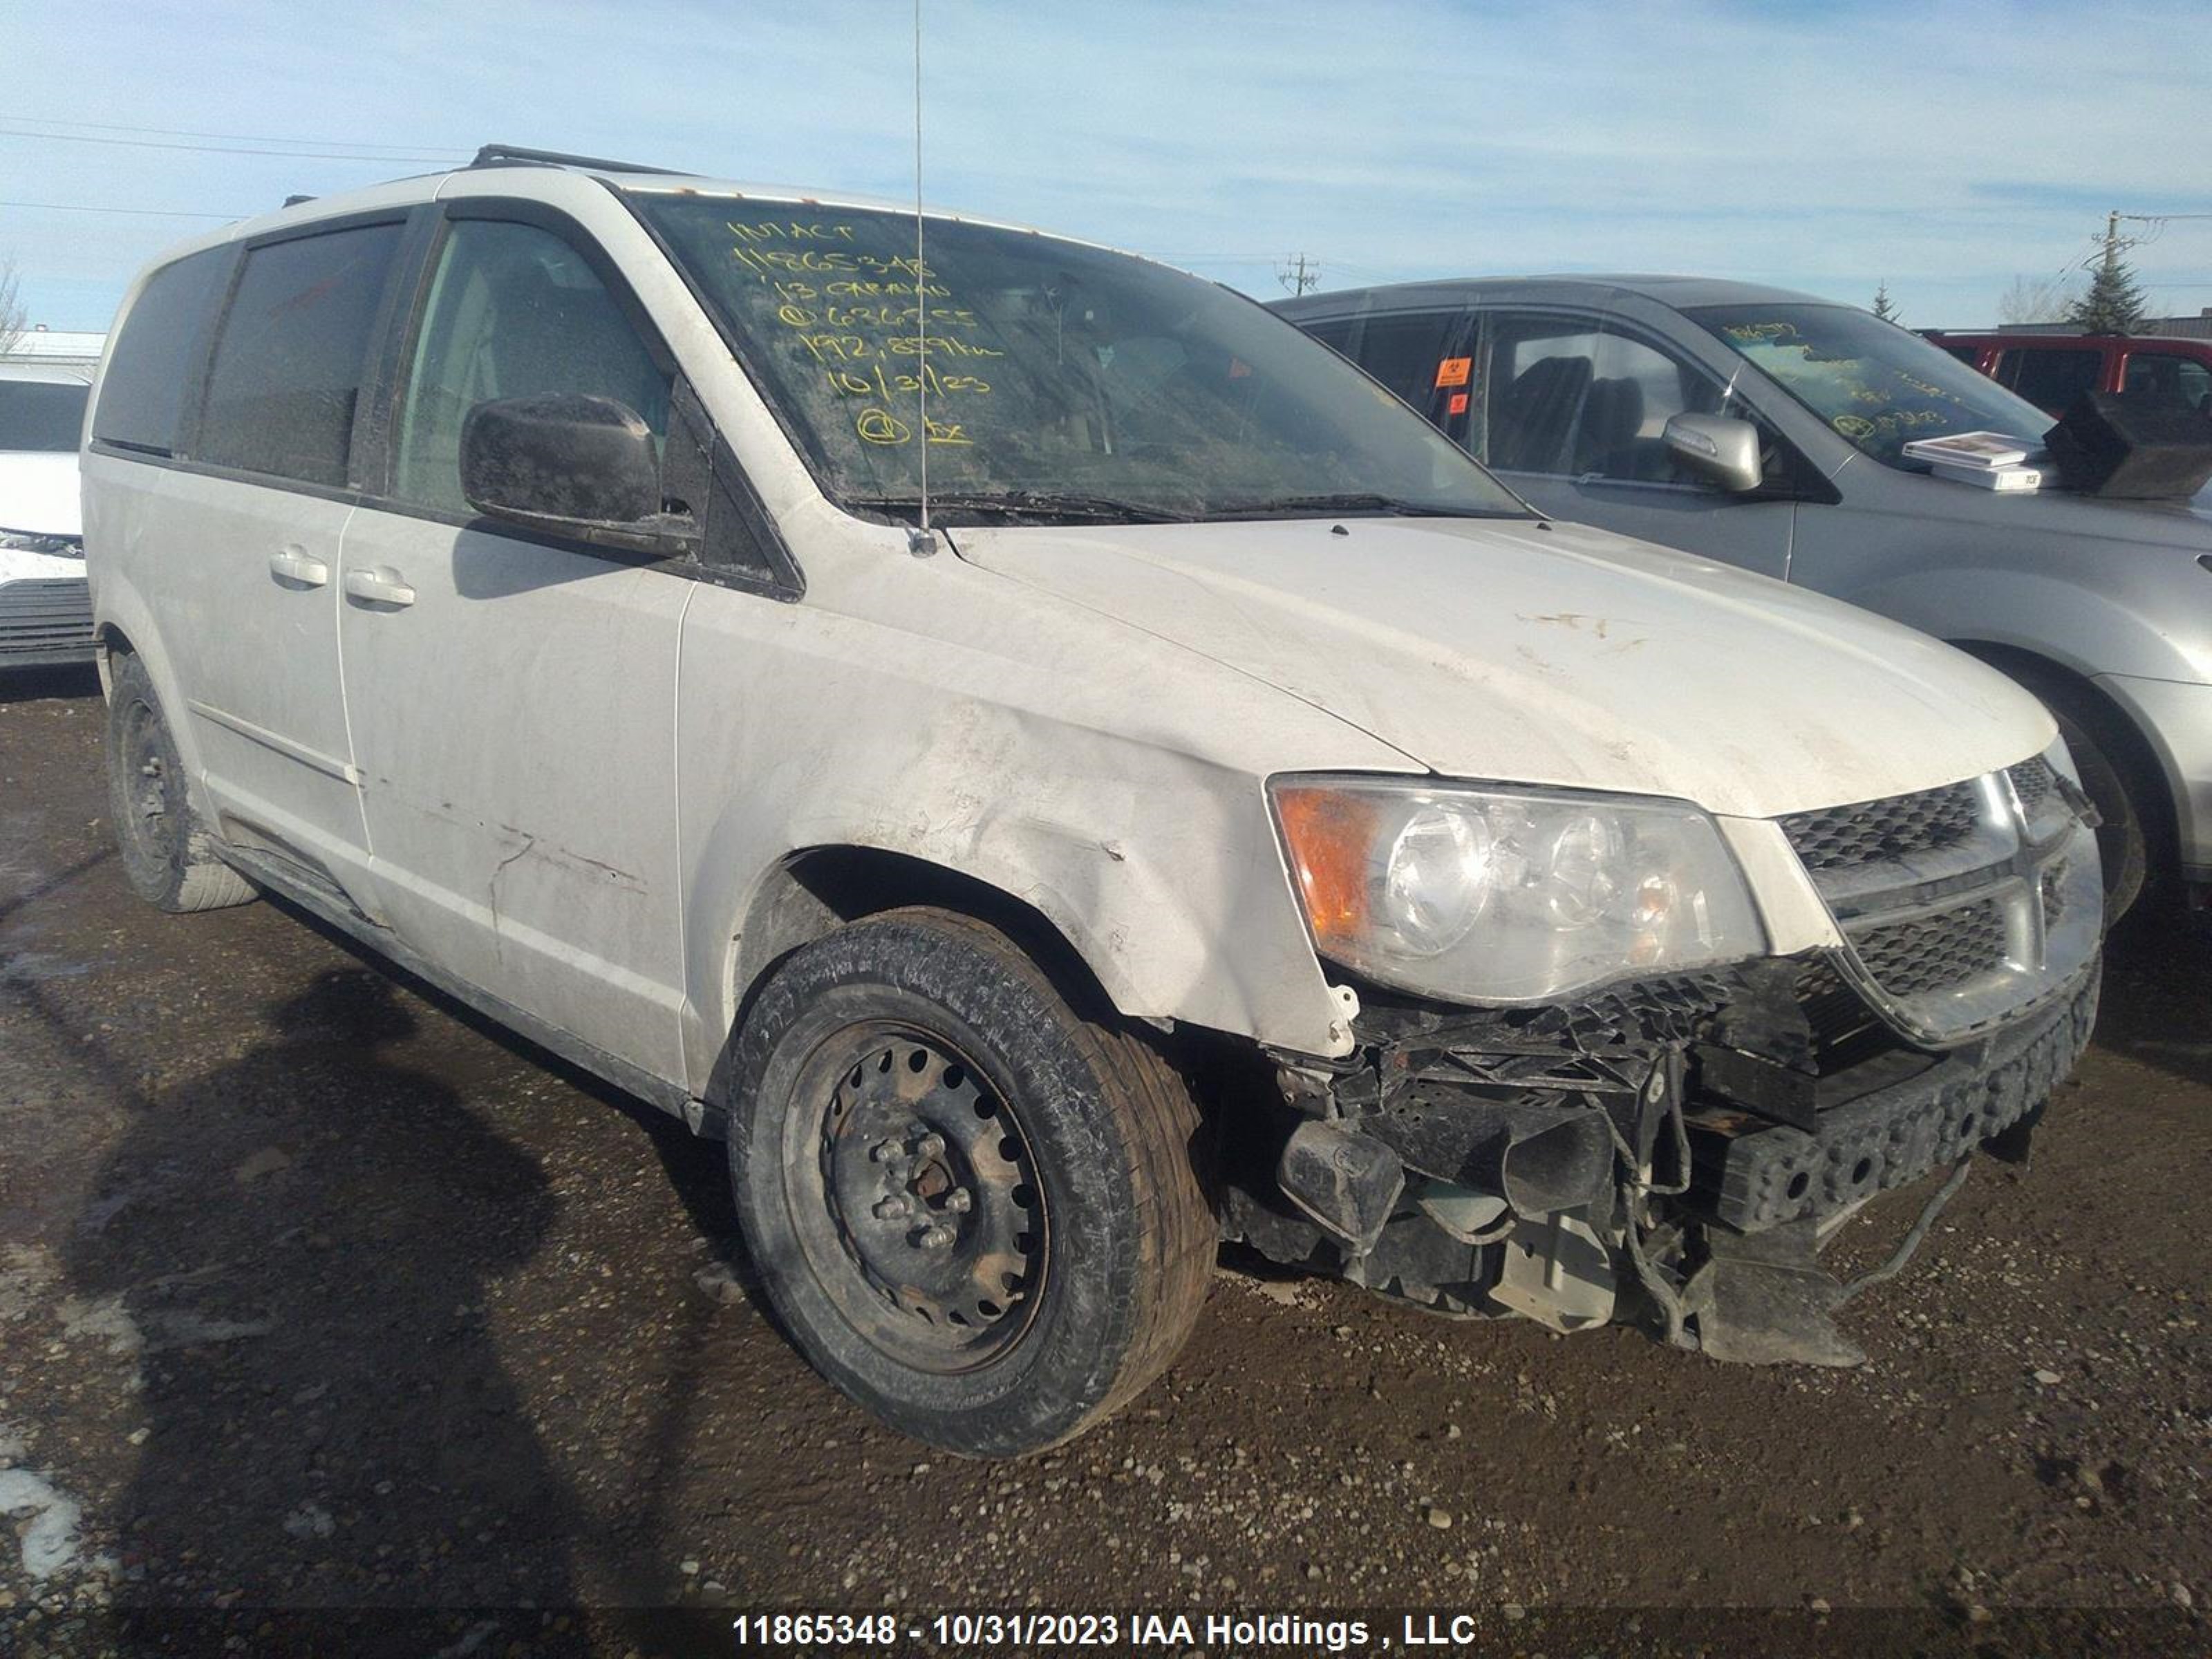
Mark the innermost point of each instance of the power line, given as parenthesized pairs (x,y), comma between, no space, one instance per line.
(239,137)
(151,213)
(1297,273)
(219,149)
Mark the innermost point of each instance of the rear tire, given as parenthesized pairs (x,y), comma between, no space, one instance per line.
(168,855)
(975,1212)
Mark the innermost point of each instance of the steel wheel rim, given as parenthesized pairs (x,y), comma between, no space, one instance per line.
(916,1198)
(147,810)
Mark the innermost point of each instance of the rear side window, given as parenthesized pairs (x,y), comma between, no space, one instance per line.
(2157,379)
(151,363)
(289,360)
(41,415)
(1418,355)
(1407,354)
(2050,379)
(1335,332)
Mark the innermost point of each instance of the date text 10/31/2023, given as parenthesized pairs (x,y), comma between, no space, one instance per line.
(877,323)
(1174,1632)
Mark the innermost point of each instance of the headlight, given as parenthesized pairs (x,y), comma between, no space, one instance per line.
(1509,896)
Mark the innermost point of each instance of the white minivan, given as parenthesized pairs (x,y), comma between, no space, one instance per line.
(1057,768)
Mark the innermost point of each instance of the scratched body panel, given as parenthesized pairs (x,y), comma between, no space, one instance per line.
(512,732)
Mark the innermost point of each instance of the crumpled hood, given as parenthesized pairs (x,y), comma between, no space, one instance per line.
(39,493)
(1507,651)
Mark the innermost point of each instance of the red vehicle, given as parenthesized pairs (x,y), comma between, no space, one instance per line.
(2051,370)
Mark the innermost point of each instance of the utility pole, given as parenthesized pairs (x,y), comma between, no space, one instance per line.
(1297,274)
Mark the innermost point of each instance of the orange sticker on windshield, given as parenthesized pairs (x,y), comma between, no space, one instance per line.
(1454,371)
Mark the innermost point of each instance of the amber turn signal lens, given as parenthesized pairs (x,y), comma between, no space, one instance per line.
(1331,836)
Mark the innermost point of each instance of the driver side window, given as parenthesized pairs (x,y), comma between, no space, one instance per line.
(1577,397)
(514,311)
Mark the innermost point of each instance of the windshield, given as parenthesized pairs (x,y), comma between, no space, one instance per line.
(1872,382)
(1062,380)
(41,415)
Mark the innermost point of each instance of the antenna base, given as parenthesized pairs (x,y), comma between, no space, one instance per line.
(923,544)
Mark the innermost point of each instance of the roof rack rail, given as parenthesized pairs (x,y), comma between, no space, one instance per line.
(497,156)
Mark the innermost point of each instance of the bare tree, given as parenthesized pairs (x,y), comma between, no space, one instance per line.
(2036,300)
(12,315)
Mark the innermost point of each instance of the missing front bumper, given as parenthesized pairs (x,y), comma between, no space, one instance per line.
(1583,1165)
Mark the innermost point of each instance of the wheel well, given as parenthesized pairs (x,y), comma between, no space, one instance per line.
(113,642)
(2126,746)
(814,892)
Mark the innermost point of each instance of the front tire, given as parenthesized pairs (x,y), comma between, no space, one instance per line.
(976,1212)
(168,855)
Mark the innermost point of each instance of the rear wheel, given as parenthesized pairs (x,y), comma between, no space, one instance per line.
(168,856)
(975,1211)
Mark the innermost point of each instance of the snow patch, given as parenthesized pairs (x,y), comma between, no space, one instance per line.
(49,1543)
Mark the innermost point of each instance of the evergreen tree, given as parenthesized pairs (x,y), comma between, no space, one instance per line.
(1884,308)
(2114,303)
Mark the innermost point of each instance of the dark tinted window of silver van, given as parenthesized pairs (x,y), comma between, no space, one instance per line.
(152,363)
(289,360)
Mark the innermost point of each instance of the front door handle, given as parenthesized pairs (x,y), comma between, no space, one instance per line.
(291,565)
(379,585)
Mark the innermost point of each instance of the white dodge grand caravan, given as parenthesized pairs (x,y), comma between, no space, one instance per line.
(1222,810)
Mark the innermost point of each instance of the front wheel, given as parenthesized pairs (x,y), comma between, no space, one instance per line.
(977,1212)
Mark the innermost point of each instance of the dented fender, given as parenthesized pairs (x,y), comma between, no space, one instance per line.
(1111,781)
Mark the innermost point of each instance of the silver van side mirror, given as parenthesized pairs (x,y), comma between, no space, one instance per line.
(1721,450)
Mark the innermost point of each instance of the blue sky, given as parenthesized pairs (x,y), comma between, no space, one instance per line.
(1945,149)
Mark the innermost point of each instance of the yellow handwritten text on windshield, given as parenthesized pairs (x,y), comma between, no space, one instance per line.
(880,326)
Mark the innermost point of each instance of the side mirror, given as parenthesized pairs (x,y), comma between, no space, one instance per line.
(565,461)
(1721,451)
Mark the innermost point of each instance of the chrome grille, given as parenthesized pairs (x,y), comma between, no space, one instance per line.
(2033,782)
(2054,892)
(1961,906)
(1934,952)
(1841,837)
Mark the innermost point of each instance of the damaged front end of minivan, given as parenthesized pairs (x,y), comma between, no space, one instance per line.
(1674,1149)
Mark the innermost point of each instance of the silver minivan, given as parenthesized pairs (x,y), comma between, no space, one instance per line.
(1197,801)
(1765,427)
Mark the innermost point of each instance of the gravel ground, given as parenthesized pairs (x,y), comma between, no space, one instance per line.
(315,1291)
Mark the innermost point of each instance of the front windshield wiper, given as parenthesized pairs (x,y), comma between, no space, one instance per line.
(1292,506)
(1030,504)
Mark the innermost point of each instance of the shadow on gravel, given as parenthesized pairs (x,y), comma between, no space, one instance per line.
(2157,1005)
(37,684)
(297,1251)
(697,1173)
